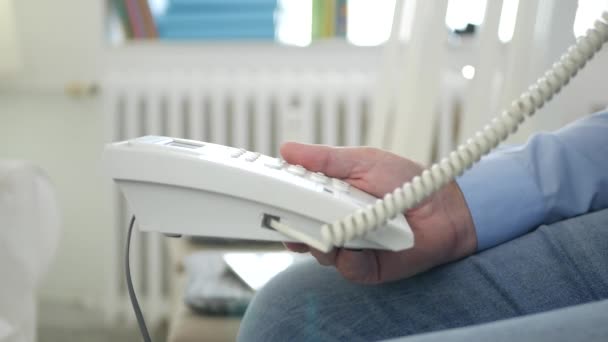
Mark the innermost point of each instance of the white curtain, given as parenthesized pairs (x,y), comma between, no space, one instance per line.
(29,234)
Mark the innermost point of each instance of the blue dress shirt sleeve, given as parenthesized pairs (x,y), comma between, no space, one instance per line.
(554,176)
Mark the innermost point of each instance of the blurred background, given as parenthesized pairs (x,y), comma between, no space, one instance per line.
(412,77)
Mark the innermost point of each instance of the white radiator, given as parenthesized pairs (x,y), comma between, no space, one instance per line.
(253,110)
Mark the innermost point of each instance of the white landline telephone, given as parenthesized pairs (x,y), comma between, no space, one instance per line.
(179,186)
(186,187)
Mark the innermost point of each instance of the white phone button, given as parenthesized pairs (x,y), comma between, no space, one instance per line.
(238,153)
(340,185)
(297,170)
(253,156)
(274,163)
(319,178)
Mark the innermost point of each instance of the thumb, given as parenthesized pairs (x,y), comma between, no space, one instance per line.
(332,161)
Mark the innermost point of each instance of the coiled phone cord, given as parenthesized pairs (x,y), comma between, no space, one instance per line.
(412,193)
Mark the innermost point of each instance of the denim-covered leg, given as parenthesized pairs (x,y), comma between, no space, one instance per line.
(584,322)
(555,266)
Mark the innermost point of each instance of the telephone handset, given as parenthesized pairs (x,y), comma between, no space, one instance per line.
(187,187)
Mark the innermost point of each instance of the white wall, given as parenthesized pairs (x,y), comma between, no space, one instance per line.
(60,42)
(9,58)
(63,136)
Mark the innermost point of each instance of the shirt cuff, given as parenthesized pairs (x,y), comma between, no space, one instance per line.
(502,197)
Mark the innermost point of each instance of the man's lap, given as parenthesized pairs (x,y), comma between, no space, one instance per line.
(584,322)
(555,266)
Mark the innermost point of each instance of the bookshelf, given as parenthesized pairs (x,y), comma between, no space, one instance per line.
(321,50)
(285,22)
(353,42)
(332,55)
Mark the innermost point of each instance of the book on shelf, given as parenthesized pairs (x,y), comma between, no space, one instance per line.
(224,34)
(217,5)
(218,19)
(218,26)
(341,17)
(221,19)
(119,19)
(329,18)
(135,18)
(149,23)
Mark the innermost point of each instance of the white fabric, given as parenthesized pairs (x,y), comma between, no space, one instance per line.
(6,330)
(29,232)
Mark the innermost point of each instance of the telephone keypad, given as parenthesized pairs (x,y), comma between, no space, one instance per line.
(274,163)
(237,153)
(340,185)
(319,178)
(252,156)
(297,170)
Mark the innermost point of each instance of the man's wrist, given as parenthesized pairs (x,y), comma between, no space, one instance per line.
(459,217)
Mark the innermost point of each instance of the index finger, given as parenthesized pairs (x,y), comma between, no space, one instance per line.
(296,247)
(337,162)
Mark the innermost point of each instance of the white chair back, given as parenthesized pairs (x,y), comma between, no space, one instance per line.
(413,109)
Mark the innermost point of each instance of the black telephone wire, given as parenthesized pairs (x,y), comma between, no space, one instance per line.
(138,314)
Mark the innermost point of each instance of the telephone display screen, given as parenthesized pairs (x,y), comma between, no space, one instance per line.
(183,144)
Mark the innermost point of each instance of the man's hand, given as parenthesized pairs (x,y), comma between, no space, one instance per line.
(442,225)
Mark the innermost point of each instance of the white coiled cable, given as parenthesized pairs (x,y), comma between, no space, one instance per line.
(435,177)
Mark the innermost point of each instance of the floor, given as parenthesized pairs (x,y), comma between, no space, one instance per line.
(62,323)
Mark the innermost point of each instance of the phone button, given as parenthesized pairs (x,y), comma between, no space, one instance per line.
(319,178)
(252,156)
(238,153)
(340,185)
(297,170)
(274,163)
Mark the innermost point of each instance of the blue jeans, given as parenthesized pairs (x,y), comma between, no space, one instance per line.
(553,267)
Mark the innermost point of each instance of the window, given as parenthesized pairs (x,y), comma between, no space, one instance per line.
(587,13)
